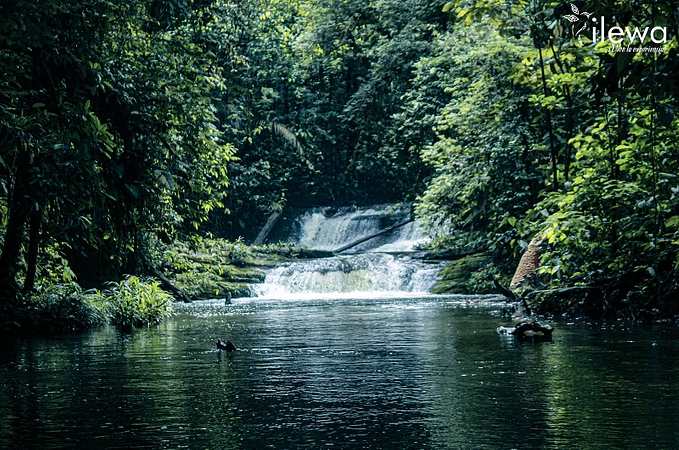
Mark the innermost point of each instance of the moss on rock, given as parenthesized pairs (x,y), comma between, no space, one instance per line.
(215,268)
(465,276)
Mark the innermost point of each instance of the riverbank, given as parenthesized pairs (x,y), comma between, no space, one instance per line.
(196,268)
(599,301)
(622,297)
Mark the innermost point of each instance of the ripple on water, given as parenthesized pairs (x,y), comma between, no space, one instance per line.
(425,372)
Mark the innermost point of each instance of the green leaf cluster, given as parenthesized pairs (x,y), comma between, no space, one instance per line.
(134,302)
(484,150)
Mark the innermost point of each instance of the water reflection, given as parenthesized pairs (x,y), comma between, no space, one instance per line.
(425,372)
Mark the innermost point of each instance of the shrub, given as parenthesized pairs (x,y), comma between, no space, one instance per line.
(134,302)
(63,307)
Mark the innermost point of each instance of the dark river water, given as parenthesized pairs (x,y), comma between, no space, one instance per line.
(385,373)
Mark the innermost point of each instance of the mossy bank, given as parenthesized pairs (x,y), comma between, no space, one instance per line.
(216,268)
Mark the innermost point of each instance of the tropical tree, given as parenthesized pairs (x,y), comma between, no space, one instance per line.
(487,169)
(107,129)
(607,108)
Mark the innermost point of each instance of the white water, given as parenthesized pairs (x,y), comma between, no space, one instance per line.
(382,268)
(329,229)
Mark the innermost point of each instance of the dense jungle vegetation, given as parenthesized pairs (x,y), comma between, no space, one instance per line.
(124,124)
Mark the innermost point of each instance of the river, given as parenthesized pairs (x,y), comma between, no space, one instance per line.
(425,372)
(349,352)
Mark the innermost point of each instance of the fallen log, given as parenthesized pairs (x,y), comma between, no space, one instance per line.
(168,284)
(261,237)
(511,296)
(506,292)
(560,291)
(374,235)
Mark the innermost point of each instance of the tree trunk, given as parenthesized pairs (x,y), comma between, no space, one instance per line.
(11,250)
(548,114)
(33,246)
(168,284)
(261,237)
(374,235)
(19,206)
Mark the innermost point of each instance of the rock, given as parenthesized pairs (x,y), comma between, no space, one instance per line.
(226,346)
(309,253)
(529,330)
(455,276)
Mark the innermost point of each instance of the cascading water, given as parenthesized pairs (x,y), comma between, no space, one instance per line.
(382,266)
(332,228)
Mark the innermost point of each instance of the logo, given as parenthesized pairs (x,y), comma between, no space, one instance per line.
(576,18)
(635,38)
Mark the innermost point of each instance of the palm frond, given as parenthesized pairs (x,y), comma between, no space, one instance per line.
(289,136)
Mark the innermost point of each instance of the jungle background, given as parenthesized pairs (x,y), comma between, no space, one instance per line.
(125,126)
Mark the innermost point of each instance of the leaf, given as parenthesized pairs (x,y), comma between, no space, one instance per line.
(575,9)
(120,169)
(672,222)
(134,190)
(665,115)
(165,178)
(571,18)
(288,136)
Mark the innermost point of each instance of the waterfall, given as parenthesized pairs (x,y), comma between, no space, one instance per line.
(382,266)
(331,228)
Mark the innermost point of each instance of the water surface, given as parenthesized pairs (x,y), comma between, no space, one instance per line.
(409,373)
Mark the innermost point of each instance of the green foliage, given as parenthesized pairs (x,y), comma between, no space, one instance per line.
(485,175)
(108,128)
(59,308)
(600,137)
(313,94)
(134,302)
(617,220)
(611,225)
(68,307)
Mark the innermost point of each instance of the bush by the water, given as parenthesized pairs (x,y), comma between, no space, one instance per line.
(58,308)
(134,302)
(64,307)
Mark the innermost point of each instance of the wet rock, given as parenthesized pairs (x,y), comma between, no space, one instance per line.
(529,330)
(226,346)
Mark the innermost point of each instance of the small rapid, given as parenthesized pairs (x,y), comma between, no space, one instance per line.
(383,266)
(369,274)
